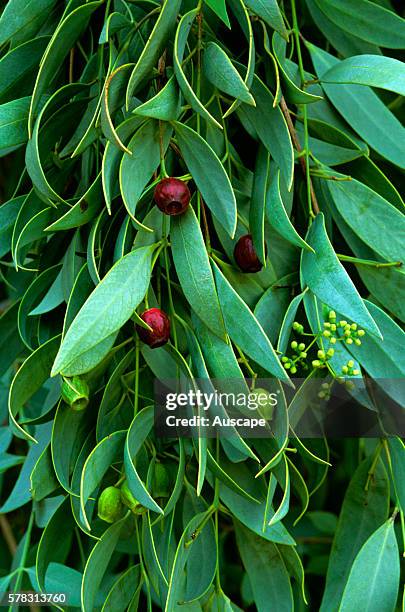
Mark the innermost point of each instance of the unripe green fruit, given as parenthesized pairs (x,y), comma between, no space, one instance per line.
(109,505)
(161,482)
(265,405)
(75,392)
(130,501)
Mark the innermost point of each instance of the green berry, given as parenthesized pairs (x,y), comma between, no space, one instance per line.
(301,346)
(333,327)
(303,354)
(330,352)
(284,359)
(316,363)
(321,354)
(345,369)
(294,344)
(349,341)
(342,323)
(110,508)
(356,372)
(361,332)
(322,394)
(353,326)
(332,314)
(293,370)
(357,342)
(296,325)
(347,333)
(327,333)
(326,324)
(350,363)
(287,365)
(333,340)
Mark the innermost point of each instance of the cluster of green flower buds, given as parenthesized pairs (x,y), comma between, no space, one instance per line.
(349,369)
(325,391)
(333,331)
(342,331)
(75,392)
(323,357)
(299,358)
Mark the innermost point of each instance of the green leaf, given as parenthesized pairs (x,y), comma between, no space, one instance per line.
(137,434)
(17,67)
(269,11)
(112,159)
(370,22)
(33,373)
(219,8)
(183,30)
(11,345)
(244,329)
(13,124)
(365,507)
(108,451)
(209,175)
(20,18)
(293,92)
(266,570)
(363,110)
(368,215)
(220,71)
(271,128)
(165,105)
(373,582)
(190,537)
(277,215)
(372,70)
(123,590)
(63,39)
(383,358)
(258,202)
(327,278)
(154,46)
(8,214)
(97,564)
(270,310)
(193,269)
(387,285)
(52,548)
(83,211)
(137,169)
(109,306)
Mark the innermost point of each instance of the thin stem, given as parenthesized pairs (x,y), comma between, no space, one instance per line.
(367,262)
(169,288)
(137,352)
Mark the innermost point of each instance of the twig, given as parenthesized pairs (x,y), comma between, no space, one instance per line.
(8,534)
(298,147)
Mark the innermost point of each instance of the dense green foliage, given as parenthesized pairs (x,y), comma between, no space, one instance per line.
(284,118)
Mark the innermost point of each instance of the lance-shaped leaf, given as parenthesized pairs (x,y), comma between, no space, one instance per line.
(180,43)
(397,460)
(327,278)
(108,451)
(277,215)
(137,169)
(22,19)
(266,570)
(219,8)
(109,306)
(368,215)
(270,127)
(137,434)
(385,134)
(364,509)
(33,373)
(270,12)
(17,66)
(220,71)
(373,70)
(244,329)
(258,202)
(194,271)
(165,105)
(209,175)
(64,37)
(369,21)
(373,582)
(97,564)
(153,47)
(13,124)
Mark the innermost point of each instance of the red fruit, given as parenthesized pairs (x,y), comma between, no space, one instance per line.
(245,255)
(160,324)
(172,196)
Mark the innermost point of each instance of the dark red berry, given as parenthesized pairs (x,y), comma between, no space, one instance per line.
(245,255)
(160,324)
(172,196)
